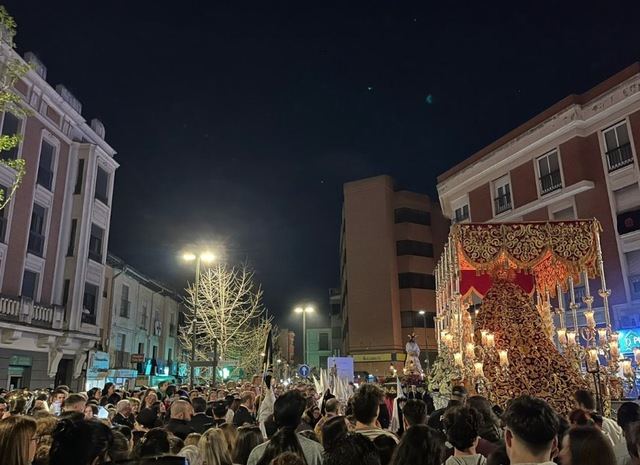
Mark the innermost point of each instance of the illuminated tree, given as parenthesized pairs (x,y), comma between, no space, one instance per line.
(10,71)
(229,310)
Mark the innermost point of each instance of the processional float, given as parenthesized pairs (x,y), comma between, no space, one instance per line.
(508,313)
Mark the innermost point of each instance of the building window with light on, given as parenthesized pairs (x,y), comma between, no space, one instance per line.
(549,172)
(617,146)
(502,195)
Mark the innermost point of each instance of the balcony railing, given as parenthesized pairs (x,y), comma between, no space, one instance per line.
(619,157)
(460,217)
(24,310)
(550,182)
(36,243)
(503,203)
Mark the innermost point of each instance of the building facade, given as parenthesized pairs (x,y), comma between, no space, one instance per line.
(319,349)
(141,320)
(577,159)
(53,234)
(388,247)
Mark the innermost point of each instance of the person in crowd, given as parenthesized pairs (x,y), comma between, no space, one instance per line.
(45,426)
(94,394)
(366,405)
(178,424)
(420,444)
(71,415)
(80,443)
(287,458)
(531,428)
(135,405)
(310,434)
(414,412)
(200,422)
(288,410)
(90,411)
(249,437)
(120,447)
(149,399)
(192,439)
(231,435)
(628,413)
(334,431)
(586,445)
(108,390)
(220,411)
(584,399)
(214,449)
(384,418)
(458,397)
(40,404)
(310,418)
(385,446)
(162,390)
(355,448)
(192,454)
(489,427)
(499,456)
(154,443)
(18,440)
(146,420)
(74,403)
(331,408)
(4,407)
(175,444)
(244,414)
(462,425)
(580,417)
(124,415)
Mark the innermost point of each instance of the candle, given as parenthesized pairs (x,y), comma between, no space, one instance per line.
(491,340)
(636,354)
(593,355)
(614,336)
(614,350)
(479,372)
(483,333)
(626,368)
(602,335)
(562,336)
(504,359)
(470,351)
(457,359)
(448,340)
(571,338)
(591,322)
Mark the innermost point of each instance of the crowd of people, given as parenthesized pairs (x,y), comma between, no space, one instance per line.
(226,426)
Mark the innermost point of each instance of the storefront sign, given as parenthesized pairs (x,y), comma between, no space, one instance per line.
(98,365)
(379,357)
(628,340)
(137,358)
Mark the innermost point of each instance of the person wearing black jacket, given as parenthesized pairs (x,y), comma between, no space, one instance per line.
(123,416)
(181,412)
(243,414)
(200,422)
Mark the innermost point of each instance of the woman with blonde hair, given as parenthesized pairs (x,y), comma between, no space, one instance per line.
(214,449)
(17,440)
(231,436)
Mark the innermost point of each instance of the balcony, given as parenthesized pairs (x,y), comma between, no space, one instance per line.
(503,203)
(36,243)
(25,311)
(550,182)
(619,157)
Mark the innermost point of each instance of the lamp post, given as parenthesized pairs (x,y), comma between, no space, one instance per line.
(426,346)
(304,312)
(206,257)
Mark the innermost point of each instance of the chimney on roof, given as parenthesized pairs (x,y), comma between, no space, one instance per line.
(36,64)
(68,97)
(98,127)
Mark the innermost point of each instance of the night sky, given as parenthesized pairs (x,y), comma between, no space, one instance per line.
(238,122)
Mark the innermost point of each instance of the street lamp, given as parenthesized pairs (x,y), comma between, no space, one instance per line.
(304,311)
(426,346)
(206,257)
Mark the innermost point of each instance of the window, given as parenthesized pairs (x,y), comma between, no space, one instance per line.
(72,238)
(155,352)
(143,316)
(90,304)
(124,302)
(627,198)
(141,347)
(45,166)
(411,319)
(95,243)
(502,191)
(79,177)
(420,249)
(461,214)
(170,354)
(323,341)
(105,288)
(549,170)
(29,284)
(410,215)
(3,217)
(633,268)
(65,292)
(565,214)
(10,127)
(36,231)
(617,147)
(121,341)
(416,281)
(323,361)
(102,186)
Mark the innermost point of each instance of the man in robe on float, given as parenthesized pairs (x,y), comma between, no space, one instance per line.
(412,364)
